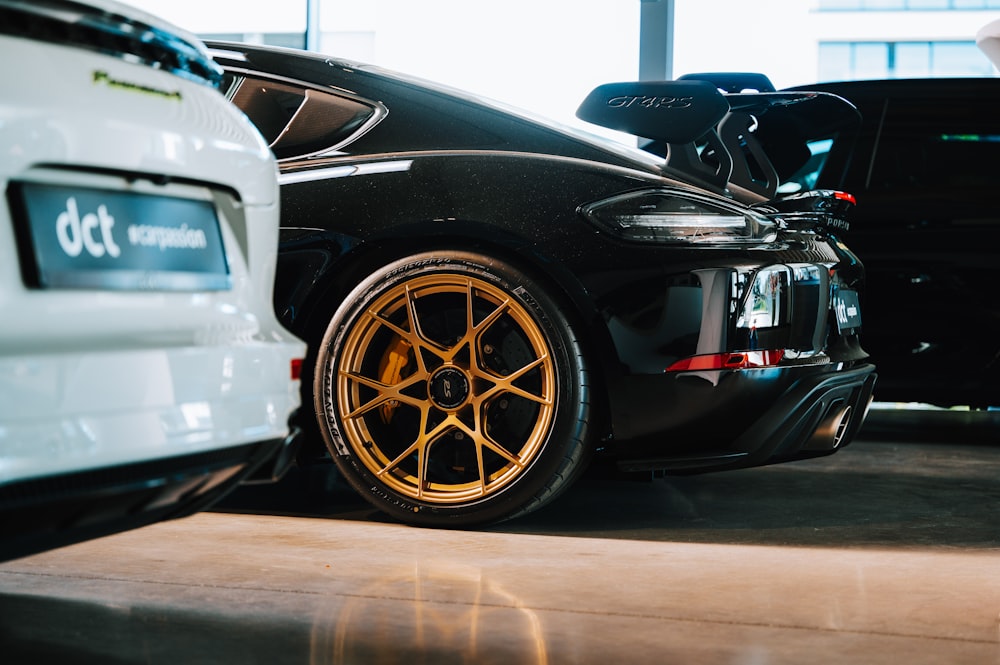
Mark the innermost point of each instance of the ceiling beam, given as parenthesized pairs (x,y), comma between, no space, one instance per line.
(656,40)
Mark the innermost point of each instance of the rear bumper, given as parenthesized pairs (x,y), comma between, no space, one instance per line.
(283,459)
(813,418)
(814,415)
(90,408)
(44,513)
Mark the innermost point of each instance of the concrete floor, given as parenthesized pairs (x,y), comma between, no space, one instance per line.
(887,552)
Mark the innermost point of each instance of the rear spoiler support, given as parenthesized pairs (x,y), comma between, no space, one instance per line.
(732,131)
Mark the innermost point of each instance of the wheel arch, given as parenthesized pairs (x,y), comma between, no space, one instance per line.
(521,253)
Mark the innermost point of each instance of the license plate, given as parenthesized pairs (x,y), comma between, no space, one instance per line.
(846,309)
(82,238)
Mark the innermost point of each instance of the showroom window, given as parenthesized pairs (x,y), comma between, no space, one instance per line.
(285,39)
(905,5)
(840,61)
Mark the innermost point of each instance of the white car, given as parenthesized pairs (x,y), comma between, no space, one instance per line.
(143,373)
(988,41)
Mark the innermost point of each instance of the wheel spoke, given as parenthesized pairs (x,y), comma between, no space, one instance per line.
(412,336)
(501,451)
(417,336)
(474,329)
(414,447)
(483,440)
(419,446)
(423,446)
(386,393)
(506,383)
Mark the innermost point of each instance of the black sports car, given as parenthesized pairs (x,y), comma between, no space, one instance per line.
(491,300)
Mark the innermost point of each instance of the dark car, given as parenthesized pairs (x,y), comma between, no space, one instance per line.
(491,300)
(924,168)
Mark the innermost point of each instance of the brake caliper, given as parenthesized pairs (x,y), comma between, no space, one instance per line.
(390,371)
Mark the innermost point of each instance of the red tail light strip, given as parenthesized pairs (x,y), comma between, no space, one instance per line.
(731,360)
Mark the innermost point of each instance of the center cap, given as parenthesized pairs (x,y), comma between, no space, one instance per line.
(449,387)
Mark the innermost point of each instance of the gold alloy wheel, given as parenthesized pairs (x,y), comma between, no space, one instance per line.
(446,388)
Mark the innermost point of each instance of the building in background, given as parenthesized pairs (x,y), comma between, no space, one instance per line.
(799,42)
(936,43)
(546,55)
(540,55)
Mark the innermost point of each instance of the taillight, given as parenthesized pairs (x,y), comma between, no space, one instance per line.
(296,369)
(846,196)
(730,360)
(816,208)
(678,217)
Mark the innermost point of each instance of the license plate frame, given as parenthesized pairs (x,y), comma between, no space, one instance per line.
(846,309)
(78,237)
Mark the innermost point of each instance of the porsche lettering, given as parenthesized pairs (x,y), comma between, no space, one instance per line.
(629,101)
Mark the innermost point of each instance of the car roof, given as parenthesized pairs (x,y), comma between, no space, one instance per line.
(515,130)
(871,88)
(326,71)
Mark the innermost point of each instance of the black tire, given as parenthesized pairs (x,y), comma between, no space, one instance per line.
(444,418)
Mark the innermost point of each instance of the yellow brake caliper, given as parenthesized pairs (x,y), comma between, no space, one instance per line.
(390,371)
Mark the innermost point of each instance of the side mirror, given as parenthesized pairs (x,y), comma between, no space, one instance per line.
(668,111)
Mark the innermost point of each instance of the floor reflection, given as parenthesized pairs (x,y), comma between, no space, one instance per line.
(454,614)
(884,552)
(421,614)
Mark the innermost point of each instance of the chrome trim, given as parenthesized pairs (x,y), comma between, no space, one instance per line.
(644,177)
(311,175)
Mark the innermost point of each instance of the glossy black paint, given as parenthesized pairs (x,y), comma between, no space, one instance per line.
(925,168)
(444,172)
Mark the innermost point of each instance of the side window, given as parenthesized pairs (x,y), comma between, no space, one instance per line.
(299,122)
(931,143)
(806,176)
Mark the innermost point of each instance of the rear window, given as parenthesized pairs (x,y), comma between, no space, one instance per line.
(934,142)
(805,178)
(299,122)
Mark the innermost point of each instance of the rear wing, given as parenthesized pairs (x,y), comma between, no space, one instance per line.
(729,131)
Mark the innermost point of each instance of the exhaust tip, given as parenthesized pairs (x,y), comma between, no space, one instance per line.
(832,429)
(843,423)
